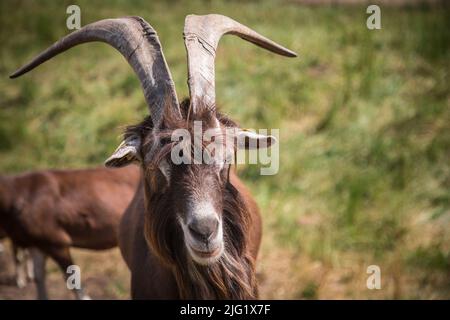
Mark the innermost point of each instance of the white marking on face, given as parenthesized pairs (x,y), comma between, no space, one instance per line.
(201,210)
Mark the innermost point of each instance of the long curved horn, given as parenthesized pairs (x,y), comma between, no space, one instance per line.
(201,37)
(138,42)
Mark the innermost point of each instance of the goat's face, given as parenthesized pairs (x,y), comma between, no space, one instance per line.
(196,188)
(200,189)
(196,191)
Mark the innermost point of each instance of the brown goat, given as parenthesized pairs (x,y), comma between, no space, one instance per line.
(50,211)
(192,230)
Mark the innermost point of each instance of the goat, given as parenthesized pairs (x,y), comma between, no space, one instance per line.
(192,231)
(50,211)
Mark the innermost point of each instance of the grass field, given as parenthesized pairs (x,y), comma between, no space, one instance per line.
(364,119)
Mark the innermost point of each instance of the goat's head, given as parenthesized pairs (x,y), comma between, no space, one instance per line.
(195,191)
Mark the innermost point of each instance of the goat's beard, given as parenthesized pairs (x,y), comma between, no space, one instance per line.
(232,276)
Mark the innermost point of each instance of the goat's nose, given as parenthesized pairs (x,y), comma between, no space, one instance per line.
(204,229)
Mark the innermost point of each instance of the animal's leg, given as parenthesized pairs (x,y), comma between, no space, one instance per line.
(30,265)
(64,260)
(2,248)
(20,261)
(38,263)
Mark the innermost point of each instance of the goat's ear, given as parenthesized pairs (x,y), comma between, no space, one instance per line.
(251,140)
(126,153)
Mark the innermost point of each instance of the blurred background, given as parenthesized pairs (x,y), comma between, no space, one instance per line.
(364,118)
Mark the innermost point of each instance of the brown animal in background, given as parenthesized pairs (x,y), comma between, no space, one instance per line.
(192,230)
(50,211)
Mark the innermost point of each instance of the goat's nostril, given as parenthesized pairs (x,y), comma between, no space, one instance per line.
(195,233)
(203,230)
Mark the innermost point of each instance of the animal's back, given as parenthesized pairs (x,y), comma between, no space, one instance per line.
(80,208)
(95,211)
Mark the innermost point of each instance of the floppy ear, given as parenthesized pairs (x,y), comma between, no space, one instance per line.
(251,140)
(126,153)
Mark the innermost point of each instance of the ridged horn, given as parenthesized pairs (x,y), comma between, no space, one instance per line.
(201,37)
(138,42)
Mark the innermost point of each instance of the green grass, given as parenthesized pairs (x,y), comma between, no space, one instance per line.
(364,120)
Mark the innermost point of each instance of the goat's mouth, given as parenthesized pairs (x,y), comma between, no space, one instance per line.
(203,251)
(207,254)
(204,257)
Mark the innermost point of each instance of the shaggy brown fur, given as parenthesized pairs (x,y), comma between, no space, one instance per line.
(164,250)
